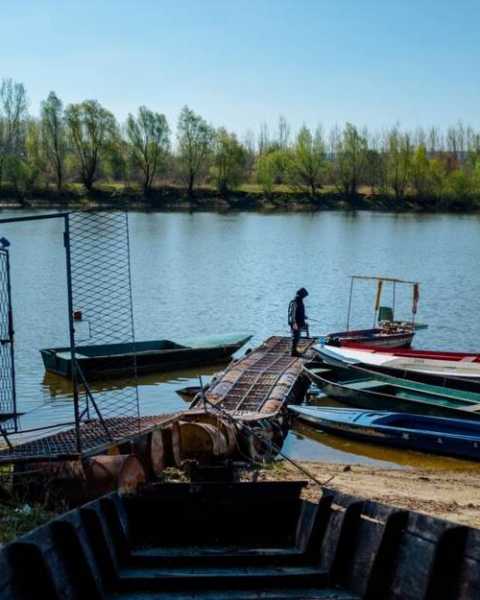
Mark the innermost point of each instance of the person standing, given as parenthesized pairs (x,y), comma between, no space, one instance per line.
(297,319)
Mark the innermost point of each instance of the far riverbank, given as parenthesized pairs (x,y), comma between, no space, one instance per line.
(249,198)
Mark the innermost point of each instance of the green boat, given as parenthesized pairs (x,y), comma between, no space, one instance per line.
(118,360)
(366,389)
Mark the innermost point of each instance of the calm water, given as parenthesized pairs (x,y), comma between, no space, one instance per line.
(196,274)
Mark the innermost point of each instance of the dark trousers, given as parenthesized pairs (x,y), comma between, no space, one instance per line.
(295,339)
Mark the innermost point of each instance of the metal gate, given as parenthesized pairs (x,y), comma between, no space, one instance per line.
(97,251)
(8,404)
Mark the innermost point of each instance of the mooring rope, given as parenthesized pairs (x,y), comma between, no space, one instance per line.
(270,444)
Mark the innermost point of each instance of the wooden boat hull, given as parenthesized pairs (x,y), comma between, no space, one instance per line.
(442,364)
(118,360)
(447,437)
(376,338)
(383,394)
(241,540)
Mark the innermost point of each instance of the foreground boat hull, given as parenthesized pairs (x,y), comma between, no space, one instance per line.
(242,541)
(369,428)
(147,357)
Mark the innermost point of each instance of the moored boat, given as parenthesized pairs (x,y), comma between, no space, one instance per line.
(387,331)
(379,337)
(446,364)
(116,360)
(374,391)
(450,437)
(331,356)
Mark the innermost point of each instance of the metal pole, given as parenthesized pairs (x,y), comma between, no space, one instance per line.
(393,307)
(350,304)
(132,320)
(76,403)
(11,334)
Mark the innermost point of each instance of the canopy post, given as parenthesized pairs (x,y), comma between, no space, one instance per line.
(393,303)
(350,304)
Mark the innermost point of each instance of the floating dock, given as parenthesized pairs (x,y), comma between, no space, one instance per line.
(256,387)
(261,383)
(62,445)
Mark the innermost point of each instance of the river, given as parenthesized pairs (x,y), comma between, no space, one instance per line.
(202,273)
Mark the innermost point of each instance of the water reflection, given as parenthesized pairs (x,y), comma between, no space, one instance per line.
(308,443)
(305,443)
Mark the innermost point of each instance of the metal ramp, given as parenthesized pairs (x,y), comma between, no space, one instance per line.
(267,373)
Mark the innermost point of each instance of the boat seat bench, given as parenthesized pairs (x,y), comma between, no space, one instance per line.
(341,548)
(366,385)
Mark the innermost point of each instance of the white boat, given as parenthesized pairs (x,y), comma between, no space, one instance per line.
(445,364)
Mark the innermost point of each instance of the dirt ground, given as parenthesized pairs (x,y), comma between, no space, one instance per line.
(451,495)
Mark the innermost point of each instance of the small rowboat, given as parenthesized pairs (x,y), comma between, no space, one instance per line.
(378,337)
(446,364)
(117,360)
(373,391)
(331,356)
(450,437)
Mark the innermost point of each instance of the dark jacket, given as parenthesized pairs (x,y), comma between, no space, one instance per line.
(296,313)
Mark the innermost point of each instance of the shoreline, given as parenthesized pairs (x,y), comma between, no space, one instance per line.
(452,495)
(171,199)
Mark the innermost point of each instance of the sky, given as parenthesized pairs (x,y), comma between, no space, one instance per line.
(243,62)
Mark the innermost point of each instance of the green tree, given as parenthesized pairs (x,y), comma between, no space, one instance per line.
(149,136)
(116,160)
(271,169)
(54,136)
(350,160)
(306,162)
(421,172)
(92,130)
(229,161)
(399,162)
(460,186)
(195,138)
(374,172)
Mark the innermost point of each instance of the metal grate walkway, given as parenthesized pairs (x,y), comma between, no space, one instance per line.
(62,445)
(267,373)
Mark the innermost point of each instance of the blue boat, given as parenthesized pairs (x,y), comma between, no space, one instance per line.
(437,435)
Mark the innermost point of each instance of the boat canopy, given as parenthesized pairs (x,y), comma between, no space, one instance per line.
(385,313)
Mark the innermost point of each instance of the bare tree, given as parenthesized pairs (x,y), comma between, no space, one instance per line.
(263,139)
(13,115)
(283,133)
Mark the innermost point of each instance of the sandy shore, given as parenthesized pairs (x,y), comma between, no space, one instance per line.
(451,495)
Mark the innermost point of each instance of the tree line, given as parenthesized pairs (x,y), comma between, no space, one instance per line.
(84,143)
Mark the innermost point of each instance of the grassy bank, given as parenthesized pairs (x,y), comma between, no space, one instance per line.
(248,197)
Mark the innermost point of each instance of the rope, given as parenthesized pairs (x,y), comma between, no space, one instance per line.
(270,444)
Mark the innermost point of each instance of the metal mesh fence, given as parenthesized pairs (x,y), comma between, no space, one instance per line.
(102,302)
(7,376)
